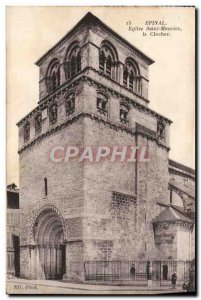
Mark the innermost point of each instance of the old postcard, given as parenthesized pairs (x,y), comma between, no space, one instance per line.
(100,150)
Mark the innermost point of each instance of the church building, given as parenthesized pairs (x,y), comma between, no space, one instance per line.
(93,91)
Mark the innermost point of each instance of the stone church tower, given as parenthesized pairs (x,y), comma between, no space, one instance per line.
(93,91)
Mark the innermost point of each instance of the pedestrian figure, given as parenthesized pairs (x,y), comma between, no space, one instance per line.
(132,270)
(174,280)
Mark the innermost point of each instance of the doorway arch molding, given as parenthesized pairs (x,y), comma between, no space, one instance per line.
(47,209)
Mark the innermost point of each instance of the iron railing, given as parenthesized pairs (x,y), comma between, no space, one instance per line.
(137,272)
(116,271)
(163,270)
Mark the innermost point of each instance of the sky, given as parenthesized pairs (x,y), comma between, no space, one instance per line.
(31,31)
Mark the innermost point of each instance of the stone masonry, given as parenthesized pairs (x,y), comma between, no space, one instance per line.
(74,211)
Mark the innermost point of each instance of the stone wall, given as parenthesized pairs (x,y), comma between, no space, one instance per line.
(166,241)
(128,225)
(184,243)
(65,187)
(60,53)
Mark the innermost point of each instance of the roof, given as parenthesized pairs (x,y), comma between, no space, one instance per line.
(89,17)
(171,215)
(189,214)
(182,167)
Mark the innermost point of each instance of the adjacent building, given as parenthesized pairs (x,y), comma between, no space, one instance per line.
(13,231)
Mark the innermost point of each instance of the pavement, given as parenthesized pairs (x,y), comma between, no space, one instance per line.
(24,286)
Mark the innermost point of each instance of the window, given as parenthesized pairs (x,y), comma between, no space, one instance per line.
(124,110)
(73,61)
(78,62)
(109,66)
(125,77)
(54,81)
(107,59)
(27,132)
(70,104)
(131,80)
(45,182)
(53,114)
(160,130)
(101,61)
(38,123)
(131,76)
(75,64)
(102,104)
(53,76)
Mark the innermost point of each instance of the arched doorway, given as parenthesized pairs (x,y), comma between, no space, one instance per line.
(49,237)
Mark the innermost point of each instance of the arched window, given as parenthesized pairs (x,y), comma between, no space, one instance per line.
(125,77)
(131,80)
(26,132)
(73,60)
(160,130)
(53,76)
(107,59)
(73,66)
(38,123)
(109,66)
(123,113)
(101,61)
(78,62)
(53,114)
(102,104)
(131,76)
(70,104)
(54,82)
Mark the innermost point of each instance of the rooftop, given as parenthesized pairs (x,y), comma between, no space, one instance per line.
(87,19)
(171,214)
(179,166)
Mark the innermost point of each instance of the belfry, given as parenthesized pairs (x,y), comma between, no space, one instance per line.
(88,221)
